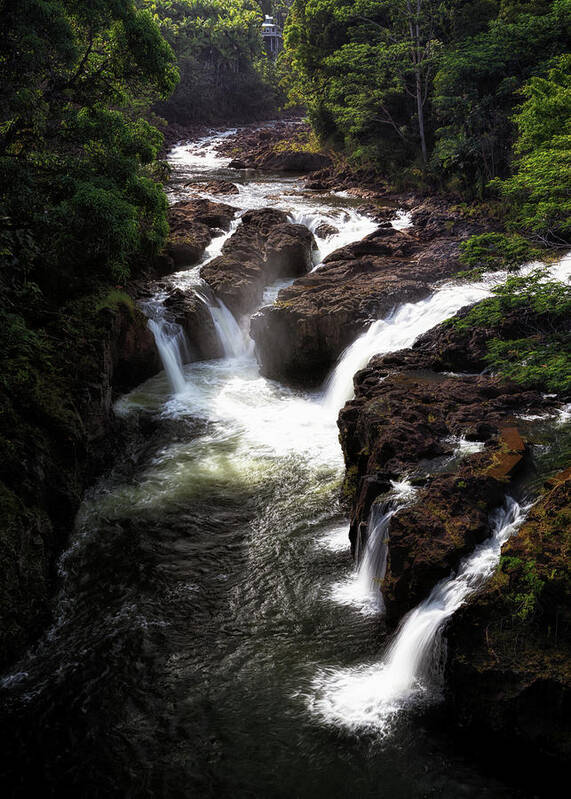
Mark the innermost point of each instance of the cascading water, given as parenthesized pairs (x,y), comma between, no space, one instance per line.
(194,605)
(171,342)
(397,331)
(363,588)
(370,695)
(228,330)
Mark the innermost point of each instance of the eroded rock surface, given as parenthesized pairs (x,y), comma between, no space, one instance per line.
(509,649)
(190,310)
(265,247)
(193,223)
(303,333)
(407,423)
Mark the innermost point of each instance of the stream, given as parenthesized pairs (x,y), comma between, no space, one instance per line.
(211,636)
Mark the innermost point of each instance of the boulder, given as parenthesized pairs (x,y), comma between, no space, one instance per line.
(206,212)
(295,161)
(265,247)
(301,336)
(186,247)
(190,310)
(192,225)
(224,187)
(324,230)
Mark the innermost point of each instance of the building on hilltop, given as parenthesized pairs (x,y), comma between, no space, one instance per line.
(272,36)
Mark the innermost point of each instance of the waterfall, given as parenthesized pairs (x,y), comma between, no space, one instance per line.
(397,331)
(227,328)
(173,350)
(363,588)
(373,561)
(170,339)
(370,695)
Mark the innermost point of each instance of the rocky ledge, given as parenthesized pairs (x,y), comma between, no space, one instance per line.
(509,651)
(193,224)
(264,248)
(406,419)
(303,333)
(279,147)
(63,435)
(508,664)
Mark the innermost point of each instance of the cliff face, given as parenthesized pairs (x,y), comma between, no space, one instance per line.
(508,666)
(56,438)
(509,650)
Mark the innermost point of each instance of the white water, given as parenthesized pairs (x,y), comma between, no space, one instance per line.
(171,342)
(363,588)
(369,696)
(397,331)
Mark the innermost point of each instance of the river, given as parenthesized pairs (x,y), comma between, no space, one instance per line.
(208,633)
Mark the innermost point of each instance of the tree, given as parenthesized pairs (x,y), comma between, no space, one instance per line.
(75,154)
(540,188)
(475,89)
(377,68)
(219,49)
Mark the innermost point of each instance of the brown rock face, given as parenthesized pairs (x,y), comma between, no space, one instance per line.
(192,224)
(224,187)
(192,314)
(292,161)
(303,333)
(134,354)
(509,650)
(186,247)
(211,214)
(265,247)
(399,424)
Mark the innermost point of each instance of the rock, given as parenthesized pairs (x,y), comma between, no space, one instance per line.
(187,248)
(266,246)
(191,312)
(289,249)
(134,354)
(224,187)
(509,649)
(236,163)
(192,225)
(324,230)
(295,161)
(398,424)
(205,212)
(301,336)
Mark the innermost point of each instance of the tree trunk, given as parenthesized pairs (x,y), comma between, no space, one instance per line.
(420,112)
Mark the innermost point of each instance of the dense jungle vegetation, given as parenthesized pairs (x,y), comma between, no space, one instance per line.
(455,93)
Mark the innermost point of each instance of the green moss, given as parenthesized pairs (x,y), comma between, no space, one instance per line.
(115,298)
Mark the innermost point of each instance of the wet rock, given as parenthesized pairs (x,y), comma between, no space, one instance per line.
(186,247)
(509,649)
(190,311)
(134,356)
(224,187)
(205,212)
(236,163)
(400,423)
(292,161)
(301,336)
(192,224)
(289,250)
(266,246)
(324,230)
